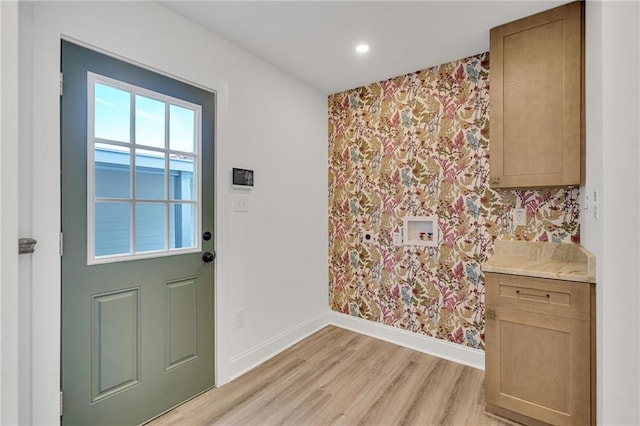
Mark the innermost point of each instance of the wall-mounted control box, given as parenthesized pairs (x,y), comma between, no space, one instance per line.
(242,178)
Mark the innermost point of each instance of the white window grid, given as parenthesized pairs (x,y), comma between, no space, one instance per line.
(92,259)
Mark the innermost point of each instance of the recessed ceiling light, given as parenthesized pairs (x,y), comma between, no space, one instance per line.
(362,48)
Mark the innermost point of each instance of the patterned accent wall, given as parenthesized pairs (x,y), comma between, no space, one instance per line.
(417,145)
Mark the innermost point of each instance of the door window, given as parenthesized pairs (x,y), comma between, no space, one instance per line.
(143,173)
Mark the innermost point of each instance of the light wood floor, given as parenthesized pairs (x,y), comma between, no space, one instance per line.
(340,377)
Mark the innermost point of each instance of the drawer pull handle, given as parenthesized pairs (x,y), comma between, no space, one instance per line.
(532,295)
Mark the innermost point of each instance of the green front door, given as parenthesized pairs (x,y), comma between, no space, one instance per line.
(137,222)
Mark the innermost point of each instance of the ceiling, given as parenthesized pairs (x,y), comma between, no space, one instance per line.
(315,40)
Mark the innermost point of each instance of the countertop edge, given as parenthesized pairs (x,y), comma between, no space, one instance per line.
(539,274)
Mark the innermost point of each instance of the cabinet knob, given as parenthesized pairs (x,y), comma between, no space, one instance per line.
(495,181)
(490,314)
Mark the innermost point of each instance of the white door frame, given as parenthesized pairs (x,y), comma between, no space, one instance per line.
(9,389)
(48,30)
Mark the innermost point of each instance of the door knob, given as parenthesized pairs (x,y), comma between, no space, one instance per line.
(208,257)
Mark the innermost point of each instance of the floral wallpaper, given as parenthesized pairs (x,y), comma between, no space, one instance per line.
(417,145)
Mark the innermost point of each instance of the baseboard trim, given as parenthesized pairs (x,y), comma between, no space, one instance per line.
(251,358)
(429,345)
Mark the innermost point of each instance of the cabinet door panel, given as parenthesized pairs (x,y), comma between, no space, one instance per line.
(536,95)
(538,365)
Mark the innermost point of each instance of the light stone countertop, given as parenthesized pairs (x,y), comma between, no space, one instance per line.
(570,262)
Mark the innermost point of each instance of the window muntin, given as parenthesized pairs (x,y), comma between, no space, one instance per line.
(144,173)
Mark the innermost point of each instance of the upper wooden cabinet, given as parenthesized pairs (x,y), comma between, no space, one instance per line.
(537,107)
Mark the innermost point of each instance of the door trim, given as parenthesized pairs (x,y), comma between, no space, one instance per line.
(10,394)
(46,283)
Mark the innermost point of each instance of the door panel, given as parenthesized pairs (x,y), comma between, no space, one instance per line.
(182,314)
(115,353)
(137,335)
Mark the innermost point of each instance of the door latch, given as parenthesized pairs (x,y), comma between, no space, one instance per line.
(26,245)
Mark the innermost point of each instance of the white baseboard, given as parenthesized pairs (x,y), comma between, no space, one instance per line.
(429,345)
(255,356)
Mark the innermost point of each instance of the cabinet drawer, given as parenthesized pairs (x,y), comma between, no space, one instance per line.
(554,297)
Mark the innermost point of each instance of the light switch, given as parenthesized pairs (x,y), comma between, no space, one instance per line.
(240,203)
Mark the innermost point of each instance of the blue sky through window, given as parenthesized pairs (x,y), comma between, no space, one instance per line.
(181,137)
(149,122)
(112,113)
(112,120)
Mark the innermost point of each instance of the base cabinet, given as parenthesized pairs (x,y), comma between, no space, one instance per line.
(539,350)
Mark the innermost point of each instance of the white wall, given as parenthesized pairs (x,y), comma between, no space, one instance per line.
(25,225)
(613,139)
(8,213)
(272,261)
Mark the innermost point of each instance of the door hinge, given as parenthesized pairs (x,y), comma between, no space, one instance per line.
(61,402)
(27,245)
(61,244)
(61,83)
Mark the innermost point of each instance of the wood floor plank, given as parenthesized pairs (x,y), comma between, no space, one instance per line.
(398,399)
(339,377)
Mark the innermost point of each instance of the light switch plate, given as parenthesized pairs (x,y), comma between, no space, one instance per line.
(240,203)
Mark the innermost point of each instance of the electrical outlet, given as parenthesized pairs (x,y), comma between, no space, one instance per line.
(397,239)
(240,314)
(519,217)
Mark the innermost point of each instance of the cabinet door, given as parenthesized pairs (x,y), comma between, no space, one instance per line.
(538,365)
(536,93)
